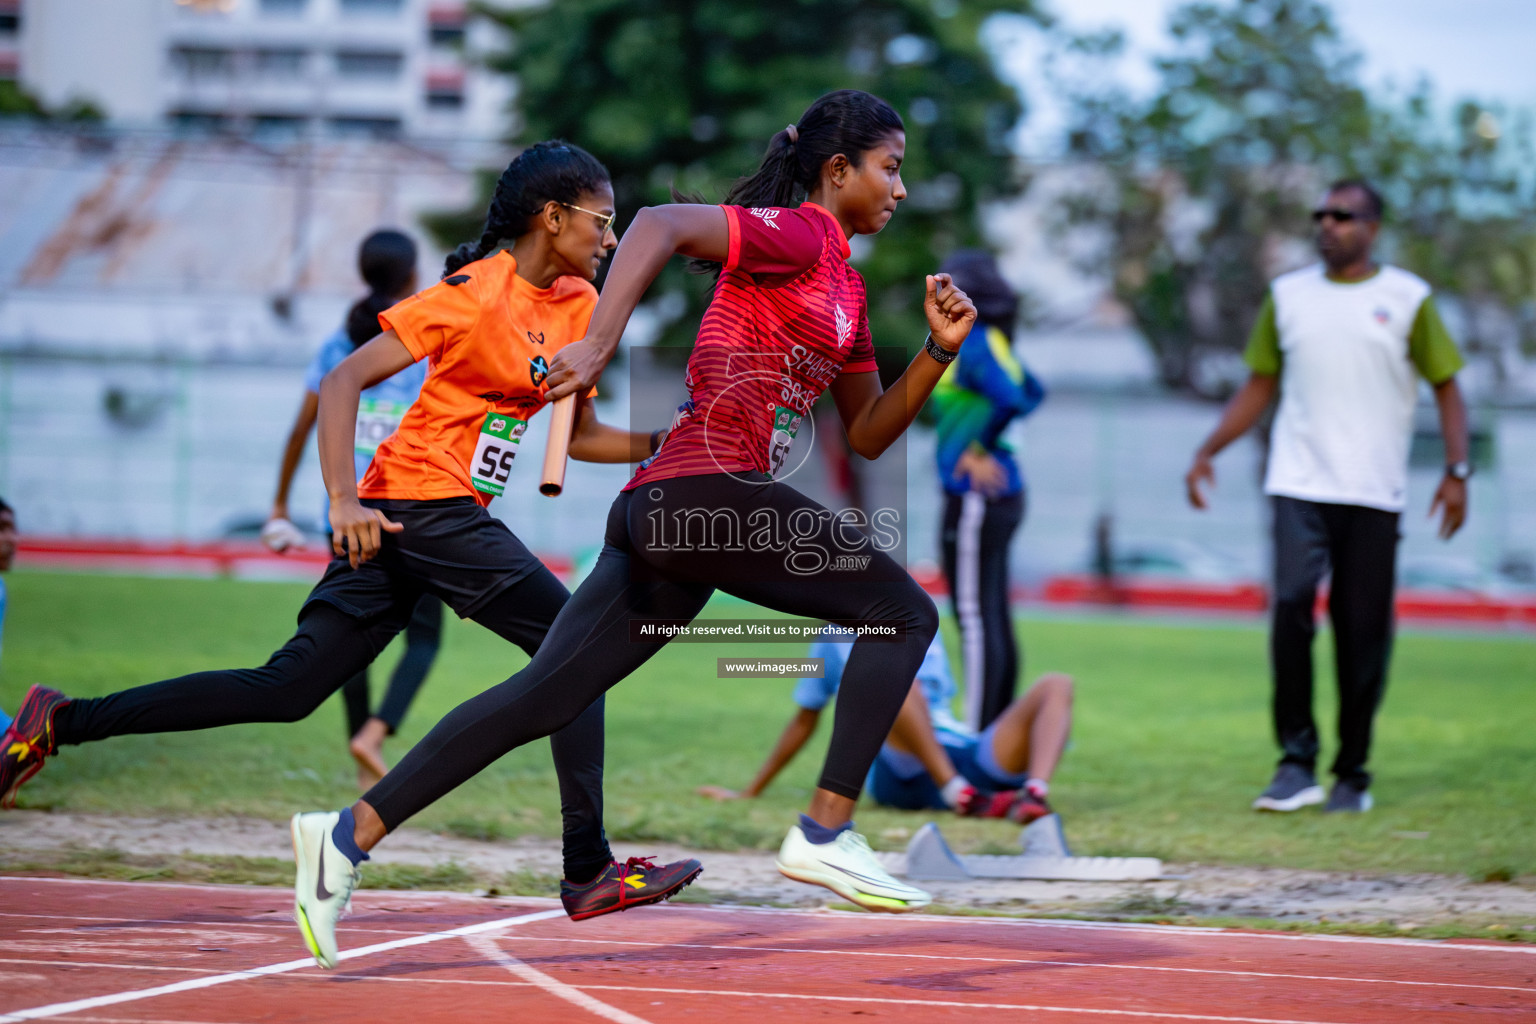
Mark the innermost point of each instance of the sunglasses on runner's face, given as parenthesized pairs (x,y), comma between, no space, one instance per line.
(604,220)
(1342,216)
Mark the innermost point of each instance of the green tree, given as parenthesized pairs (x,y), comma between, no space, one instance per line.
(16,101)
(1208,180)
(688,92)
(1465,215)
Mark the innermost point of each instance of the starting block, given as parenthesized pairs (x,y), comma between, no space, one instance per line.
(1044,855)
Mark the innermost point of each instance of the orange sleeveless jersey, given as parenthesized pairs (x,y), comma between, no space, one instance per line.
(489,336)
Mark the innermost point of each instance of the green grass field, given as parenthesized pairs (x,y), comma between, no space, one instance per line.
(1171,740)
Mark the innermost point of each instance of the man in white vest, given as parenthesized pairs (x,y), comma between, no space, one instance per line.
(1344,342)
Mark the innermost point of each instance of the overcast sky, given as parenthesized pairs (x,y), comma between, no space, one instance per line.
(1482,48)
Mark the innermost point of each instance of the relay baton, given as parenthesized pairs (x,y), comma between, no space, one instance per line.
(562,417)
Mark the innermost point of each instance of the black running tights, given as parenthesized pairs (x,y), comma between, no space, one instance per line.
(669,545)
(423,636)
(330,646)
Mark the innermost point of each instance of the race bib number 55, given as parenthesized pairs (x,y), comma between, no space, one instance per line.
(494,451)
(786,424)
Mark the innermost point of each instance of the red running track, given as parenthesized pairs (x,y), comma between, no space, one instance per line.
(109,952)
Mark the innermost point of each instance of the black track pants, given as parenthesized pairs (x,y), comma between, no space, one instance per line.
(977,531)
(1360,546)
(668,546)
(423,637)
(329,646)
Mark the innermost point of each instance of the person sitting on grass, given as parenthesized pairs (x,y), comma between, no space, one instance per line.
(930,761)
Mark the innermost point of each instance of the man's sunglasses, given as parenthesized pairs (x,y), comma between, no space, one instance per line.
(604,220)
(1342,216)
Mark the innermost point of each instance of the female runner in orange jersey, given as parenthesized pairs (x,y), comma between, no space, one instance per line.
(417,522)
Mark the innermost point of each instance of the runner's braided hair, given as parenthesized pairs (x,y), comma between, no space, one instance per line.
(545,171)
(386,262)
(848,121)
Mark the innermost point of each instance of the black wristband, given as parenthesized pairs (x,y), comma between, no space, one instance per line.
(656,438)
(939,353)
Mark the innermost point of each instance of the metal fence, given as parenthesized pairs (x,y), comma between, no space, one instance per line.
(143,448)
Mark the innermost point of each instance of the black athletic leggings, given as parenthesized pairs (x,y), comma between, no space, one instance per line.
(423,636)
(669,546)
(331,645)
(977,532)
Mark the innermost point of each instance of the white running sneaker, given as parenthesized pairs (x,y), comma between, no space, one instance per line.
(849,868)
(323,884)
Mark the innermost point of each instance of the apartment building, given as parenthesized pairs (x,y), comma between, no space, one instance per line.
(395,68)
(10,39)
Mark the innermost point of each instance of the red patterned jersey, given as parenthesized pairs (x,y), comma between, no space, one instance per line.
(788,316)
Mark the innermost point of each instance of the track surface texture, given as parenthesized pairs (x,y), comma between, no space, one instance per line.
(106,952)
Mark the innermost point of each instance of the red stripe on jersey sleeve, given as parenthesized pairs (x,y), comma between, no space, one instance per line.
(733,233)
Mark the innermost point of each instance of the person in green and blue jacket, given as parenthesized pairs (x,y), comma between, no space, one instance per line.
(984,494)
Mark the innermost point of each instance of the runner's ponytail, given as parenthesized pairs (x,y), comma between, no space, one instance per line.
(386,261)
(545,171)
(849,121)
(774,181)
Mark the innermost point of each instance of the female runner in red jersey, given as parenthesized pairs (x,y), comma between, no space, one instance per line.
(787,322)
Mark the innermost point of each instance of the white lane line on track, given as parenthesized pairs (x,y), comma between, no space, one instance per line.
(486,946)
(114,967)
(234,889)
(1165,930)
(887,1001)
(78,1005)
(1028,1008)
(138,1020)
(284,926)
(1529,990)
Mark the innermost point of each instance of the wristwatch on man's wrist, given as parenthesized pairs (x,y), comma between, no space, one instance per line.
(1459,470)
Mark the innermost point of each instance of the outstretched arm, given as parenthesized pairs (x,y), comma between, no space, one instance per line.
(595,441)
(1241,413)
(293,452)
(873,418)
(354,529)
(795,734)
(658,233)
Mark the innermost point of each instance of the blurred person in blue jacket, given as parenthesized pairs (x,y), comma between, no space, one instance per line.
(986,390)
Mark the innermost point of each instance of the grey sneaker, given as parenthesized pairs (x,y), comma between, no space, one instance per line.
(1348,798)
(1292,788)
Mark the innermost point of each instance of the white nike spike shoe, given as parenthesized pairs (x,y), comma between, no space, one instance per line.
(322,885)
(848,867)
